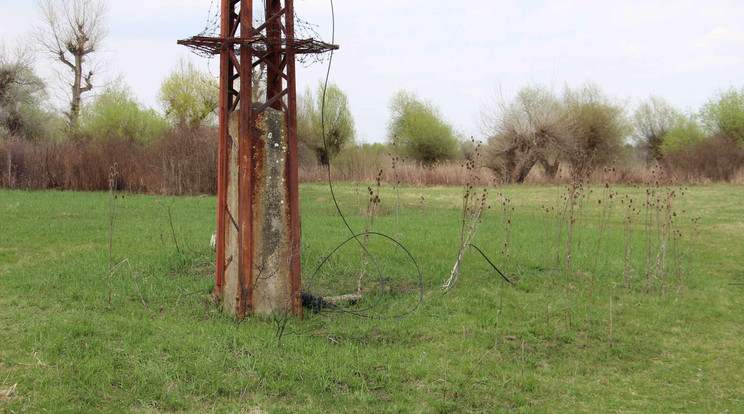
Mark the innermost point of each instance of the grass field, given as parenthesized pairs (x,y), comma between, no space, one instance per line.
(592,335)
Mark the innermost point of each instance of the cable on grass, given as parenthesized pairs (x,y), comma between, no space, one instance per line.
(489,261)
(318,300)
(314,300)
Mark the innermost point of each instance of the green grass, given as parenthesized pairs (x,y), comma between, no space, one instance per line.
(485,346)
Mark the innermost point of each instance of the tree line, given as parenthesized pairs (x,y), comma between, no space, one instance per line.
(576,130)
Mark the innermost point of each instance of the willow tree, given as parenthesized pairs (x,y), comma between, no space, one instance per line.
(71,32)
(419,129)
(325,124)
(653,120)
(525,131)
(597,128)
(189,97)
(22,94)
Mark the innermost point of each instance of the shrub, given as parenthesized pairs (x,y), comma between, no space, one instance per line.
(115,114)
(724,114)
(180,161)
(716,158)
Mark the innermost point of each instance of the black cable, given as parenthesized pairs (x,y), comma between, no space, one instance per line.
(355,236)
(358,312)
(489,261)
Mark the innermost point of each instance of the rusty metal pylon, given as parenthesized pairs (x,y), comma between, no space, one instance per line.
(242,47)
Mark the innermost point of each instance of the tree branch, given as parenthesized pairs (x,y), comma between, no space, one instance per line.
(63,59)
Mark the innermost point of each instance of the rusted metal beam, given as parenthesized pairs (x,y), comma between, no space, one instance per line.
(245,162)
(225,81)
(271,17)
(273,56)
(292,164)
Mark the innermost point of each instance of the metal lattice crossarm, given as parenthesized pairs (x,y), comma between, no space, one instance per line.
(214,45)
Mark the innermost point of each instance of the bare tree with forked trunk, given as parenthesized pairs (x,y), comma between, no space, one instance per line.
(71,32)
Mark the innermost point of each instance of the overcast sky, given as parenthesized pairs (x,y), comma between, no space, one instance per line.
(455,54)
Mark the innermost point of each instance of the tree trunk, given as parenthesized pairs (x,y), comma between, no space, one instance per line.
(550,169)
(77,92)
(523,169)
(323,157)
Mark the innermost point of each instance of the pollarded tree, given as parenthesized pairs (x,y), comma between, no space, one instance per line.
(314,114)
(189,97)
(419,129)
(22,98)
(597,128)
(724,113)
(71,32)
(653,120)
(116,114)
(526,131)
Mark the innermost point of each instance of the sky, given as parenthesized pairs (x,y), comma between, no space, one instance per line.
(458,55)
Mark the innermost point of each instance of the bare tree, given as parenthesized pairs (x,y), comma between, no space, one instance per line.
(22,93)
(526,131)
(71,31)
(583,129)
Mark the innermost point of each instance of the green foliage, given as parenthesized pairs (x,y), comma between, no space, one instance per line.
(313,114)
(189,96)
(420,131)
(684,133)
(115,114)
(724,113)
(22,93)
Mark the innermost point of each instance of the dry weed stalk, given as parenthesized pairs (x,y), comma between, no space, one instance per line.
(372,207)
(694,233)
(113,176)
(495,344)
(650,222)
(606,201)
(547,304)
(8,394)
(394,159)
(574,197)
(473,206)
(506,222)
(628,262)
(560,214)
(522,364)
(662,236)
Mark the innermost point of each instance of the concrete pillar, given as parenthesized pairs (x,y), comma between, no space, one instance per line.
(258,247)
